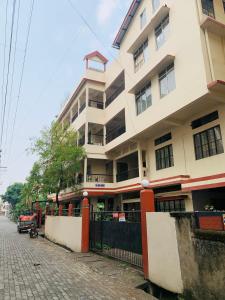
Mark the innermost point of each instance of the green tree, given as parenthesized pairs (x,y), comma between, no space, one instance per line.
(13,194)
(59,158)
(33,188)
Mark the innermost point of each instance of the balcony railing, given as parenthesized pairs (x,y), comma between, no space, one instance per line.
(113,134)
(132,173)
(82,107)
(74,116)
(81,141)
(208,8)
(96,104)
(114,95)
(96,139)
(101,178)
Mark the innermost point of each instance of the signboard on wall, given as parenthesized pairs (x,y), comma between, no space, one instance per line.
(122,217)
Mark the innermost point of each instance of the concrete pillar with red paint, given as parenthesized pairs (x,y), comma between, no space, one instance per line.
(147,205)
(70,210)
(60,209)
(85,224)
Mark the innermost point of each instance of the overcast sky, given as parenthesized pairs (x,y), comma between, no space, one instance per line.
(59,39)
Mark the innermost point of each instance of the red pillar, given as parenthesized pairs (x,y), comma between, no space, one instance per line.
(60,209)
(70,210)
(85,226)
(147,205)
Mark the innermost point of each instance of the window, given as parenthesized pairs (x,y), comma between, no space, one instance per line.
(141,56)
(164,157)
(205,120)
(208,8)
(170,205)
(143,99)
(163,139)
(167,81)
(162,32)
(143,18)
(224,5)
(208,143)
(155,5)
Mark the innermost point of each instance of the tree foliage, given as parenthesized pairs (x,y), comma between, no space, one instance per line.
(59,159)
(13,193)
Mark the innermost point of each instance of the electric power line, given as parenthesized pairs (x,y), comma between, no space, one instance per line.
(7,74)
(13,71)
(21,75)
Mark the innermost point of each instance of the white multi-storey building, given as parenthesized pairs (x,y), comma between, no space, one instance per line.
(157,111)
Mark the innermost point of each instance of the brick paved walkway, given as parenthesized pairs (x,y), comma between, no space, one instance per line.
(38,269)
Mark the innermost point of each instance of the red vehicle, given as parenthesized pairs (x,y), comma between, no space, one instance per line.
(25,222)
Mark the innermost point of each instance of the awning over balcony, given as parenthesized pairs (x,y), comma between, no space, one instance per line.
(156,69)
(213,26)
(159,15)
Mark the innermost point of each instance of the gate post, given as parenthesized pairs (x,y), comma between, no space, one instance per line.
(70,209)
(60,209)
(147,205)
(85,224)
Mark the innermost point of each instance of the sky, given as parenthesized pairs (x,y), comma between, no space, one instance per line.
(59,39)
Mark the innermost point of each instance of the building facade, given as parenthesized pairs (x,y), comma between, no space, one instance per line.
(157,111)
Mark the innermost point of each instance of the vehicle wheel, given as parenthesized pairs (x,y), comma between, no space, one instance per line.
(19,230)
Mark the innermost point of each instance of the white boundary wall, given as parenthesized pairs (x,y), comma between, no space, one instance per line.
(163,256)
(65,231)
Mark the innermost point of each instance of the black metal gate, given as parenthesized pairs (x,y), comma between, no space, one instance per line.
(117,234)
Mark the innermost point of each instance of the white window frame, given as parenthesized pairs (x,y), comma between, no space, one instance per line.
(143,19)
(155,5)
(162,32)
(140,56)
(167,77)
(143,99)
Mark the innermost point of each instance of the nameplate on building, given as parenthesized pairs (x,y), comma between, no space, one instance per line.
(100,185)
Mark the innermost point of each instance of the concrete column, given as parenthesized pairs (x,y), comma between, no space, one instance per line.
(85,170)
(70,210)
(87,96)
(86,132)
(140,163)
(60,209)
(85,226)
(114,171)
(147,205)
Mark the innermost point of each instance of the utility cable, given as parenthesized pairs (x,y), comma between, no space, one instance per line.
(7,75)
(22,73)
(13,71)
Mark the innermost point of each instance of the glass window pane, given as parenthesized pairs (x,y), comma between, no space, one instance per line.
(217,132)
(163,87)
(171,81)
(155,4)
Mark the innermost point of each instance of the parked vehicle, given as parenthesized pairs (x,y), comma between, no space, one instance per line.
(25,222)
(33,232)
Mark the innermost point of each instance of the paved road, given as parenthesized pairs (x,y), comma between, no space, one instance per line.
(38,269)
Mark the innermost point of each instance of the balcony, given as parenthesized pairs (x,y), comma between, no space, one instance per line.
(116,88)
(126,175)
(208,8)
(82,107)
(99,171)
(74,116)
(96,104)
(95,134)
(81,136)
(96,99)
(127,167)
(115,127)
(102,178)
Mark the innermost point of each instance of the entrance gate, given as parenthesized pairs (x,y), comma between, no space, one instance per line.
(117,234)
